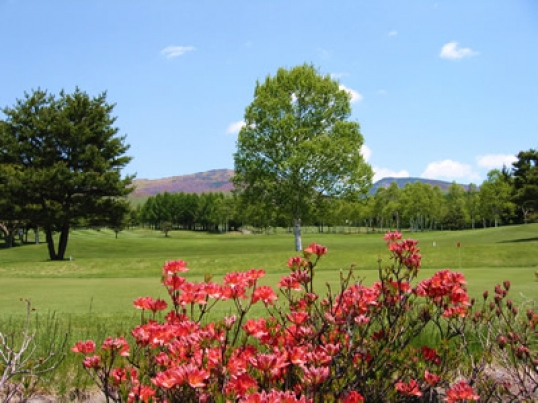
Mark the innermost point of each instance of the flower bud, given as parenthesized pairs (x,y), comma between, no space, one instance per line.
(521,352)
(506,285)
(509,304)
(501,340)
(485,295)
(530,314)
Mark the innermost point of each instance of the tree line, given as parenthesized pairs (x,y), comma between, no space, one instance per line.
(507,196)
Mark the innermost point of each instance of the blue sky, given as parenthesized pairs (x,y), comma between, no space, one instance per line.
(444,89)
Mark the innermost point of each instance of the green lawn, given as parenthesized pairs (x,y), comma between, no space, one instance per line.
(92,294)
(106,274)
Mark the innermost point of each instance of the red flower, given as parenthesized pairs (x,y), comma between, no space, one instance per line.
(241,384)
(213,290)
(409,389)
(454,311)
(84,347)
(431,379)
(149,304)
(174,266)
(193,293)
(118,375)
(141,393)
(268,363)
(253,275)
(92,362)
(256,328)
(430,354)
(233,292)
(353,397)
(274,396)
(265,294)
(392,236)
(237,279)
(297,317)
(118,344)
(315,249)
(315,375)
(229,321)
(298,355)
(289,283)
(174,283)
(296,262)
(196,377)
(461,391)
(169,378)
(446,288)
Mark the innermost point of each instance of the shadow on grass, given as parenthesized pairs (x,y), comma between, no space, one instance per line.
(533,239)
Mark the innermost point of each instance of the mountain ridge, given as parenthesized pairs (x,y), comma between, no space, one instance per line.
(218,180)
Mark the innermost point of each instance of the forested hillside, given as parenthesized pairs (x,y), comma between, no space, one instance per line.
(218,180)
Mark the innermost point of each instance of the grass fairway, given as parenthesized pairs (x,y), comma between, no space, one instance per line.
(106,274)
(92,294)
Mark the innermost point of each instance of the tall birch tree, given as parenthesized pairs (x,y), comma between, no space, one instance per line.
(299,144)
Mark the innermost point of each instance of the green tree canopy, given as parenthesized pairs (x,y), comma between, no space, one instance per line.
(298,144)
(63,157)
(456,215)
(525,175)
(495,197)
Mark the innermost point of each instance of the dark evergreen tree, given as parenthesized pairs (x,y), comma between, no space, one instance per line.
(64,157)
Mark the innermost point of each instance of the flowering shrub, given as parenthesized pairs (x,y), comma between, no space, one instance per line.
(396,340)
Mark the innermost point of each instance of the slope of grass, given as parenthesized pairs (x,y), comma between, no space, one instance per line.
(106,274)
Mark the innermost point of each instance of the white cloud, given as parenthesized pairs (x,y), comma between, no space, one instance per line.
(235,127)
(493,161)
(380,173)
(393,33)
(366,152)
(337,76)
(176,51)
(355,96)
(453,51)
(450,170)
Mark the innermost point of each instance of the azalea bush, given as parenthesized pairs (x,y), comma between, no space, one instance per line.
(399,339)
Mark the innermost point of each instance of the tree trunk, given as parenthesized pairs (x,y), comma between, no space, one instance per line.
(7,236)
(50,243)
(297,233)
(9,240)
(62,246)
